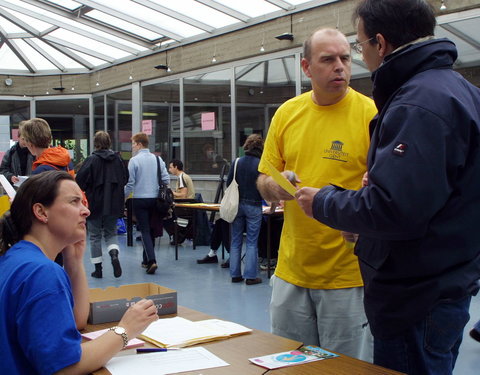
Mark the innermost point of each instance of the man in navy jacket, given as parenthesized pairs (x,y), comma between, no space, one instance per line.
(418,215)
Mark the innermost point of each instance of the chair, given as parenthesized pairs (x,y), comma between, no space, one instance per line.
(198,228)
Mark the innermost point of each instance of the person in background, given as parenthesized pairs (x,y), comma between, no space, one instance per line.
(143,183)
(323,136)
(417,217)
(38,137)
(249,214)
(220,235)
(39,333)
(184,188)
(18,160)
(103,176)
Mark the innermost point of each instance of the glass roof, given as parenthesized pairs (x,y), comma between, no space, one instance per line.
(74,36)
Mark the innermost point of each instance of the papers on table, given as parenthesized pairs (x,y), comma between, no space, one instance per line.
(133,343)
(170,362)
(179,332)
(308,353)
(21,180)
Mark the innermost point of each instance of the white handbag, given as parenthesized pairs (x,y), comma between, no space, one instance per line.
(229,203)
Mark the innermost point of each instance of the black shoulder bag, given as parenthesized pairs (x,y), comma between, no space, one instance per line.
(164,203)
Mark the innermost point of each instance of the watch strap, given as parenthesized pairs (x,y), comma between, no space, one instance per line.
(123,334)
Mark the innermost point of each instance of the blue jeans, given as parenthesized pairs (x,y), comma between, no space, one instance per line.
(249,216)
(431,346)
(107,225)
(143,210)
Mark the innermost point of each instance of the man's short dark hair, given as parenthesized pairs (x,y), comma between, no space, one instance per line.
(177,164)
(399,21)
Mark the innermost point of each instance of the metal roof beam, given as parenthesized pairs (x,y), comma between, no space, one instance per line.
(79,16)
(226,10)
(57,24)
(127,18)
(78,48)
(44,53)
(459,34)
(69,53)
(17,51)
(178,16)
(281,4)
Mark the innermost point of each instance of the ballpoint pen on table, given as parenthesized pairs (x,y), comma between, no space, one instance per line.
(155,350)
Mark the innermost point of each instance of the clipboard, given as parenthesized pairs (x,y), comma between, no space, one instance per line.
(7,186)
(280,179)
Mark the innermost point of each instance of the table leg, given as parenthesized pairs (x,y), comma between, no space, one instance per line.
(129,223)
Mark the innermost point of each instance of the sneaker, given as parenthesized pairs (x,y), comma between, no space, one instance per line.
(474,334)
(253,281)
(208,259)
(152,268)
(273,264)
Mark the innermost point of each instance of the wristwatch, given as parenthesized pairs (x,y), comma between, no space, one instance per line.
(121,332)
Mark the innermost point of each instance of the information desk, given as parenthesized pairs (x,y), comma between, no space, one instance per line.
(237,350)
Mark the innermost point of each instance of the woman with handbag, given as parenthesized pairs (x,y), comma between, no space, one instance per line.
(249,215)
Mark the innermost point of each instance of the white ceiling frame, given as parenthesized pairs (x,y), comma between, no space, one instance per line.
(18,52)
(69,53)
(78,48)
(130,19)
(66,26)
(281,4)
(461,35)
(78,17)
(45,54)
(178,16)
(226,10)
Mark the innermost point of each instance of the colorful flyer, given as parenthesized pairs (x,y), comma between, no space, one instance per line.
(307,353)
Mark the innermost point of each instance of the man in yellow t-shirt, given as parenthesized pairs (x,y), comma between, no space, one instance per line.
(323,136)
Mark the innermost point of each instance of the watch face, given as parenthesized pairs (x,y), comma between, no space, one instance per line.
(119,330)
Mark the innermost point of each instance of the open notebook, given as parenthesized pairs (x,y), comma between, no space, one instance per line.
(180,332)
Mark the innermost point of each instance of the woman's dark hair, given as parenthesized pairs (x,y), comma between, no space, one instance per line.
(16,223)
(399,21)
(253,141)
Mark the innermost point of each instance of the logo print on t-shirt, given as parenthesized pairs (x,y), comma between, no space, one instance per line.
(400,149)
(335,152)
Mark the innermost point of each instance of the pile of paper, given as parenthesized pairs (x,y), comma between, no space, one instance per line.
(179,332)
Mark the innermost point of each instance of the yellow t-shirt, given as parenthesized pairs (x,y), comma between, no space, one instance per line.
(322,145)
(185,181)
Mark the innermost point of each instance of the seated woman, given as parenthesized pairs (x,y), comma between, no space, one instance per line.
(38,298)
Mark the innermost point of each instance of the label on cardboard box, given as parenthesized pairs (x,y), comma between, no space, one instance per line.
(109,305)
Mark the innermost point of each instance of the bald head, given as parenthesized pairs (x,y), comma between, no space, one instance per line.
(319,34)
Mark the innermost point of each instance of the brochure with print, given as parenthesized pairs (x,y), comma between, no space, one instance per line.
(307,353)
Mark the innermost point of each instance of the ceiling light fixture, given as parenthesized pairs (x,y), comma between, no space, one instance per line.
(59,88)
(443,6)
(166,65)
(287,36)
(214,59)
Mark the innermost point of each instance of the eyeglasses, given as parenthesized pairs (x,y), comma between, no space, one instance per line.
(357,46)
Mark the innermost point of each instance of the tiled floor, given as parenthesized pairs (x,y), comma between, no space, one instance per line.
(207,287)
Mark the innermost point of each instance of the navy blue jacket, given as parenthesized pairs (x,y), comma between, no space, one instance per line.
(246,177)
(103,176)
(419,216)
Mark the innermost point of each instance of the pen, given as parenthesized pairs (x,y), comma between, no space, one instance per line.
(155,350)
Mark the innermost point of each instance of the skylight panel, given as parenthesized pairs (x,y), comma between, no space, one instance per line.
(71,5)
(127,26)
(251,8)
(199,12)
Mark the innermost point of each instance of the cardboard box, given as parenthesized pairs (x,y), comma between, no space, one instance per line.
(109,305)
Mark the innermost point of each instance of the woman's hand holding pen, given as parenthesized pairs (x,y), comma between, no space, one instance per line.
(138,317)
